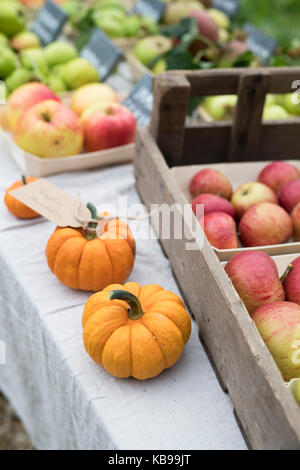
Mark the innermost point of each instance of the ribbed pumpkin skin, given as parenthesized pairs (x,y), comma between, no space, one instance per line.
(139,348)
(91,265)
(17,208)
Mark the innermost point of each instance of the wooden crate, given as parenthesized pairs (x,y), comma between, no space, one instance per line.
(245,139)
(265,409)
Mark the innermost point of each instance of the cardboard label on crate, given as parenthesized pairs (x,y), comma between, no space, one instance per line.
(152,8)
(102,53)
(260,44)
(229,7)
(140,100)
(52,203)
(49,22)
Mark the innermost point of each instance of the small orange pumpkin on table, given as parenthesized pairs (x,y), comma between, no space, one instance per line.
(16,207)
(89,260)
(135,331)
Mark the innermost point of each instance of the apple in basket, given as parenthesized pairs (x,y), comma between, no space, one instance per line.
(276,174)
(295,216)
(279,325)
(24,98)
(107,125)
(49,130)
(291,282)
(250,194)
(255,277)
(289,195)
(210,181)
(91,93)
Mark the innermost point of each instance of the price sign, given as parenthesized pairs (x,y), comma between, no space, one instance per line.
(140,100)
(49,22)
(261,45)
(229,7)
(152,8)
(102,53)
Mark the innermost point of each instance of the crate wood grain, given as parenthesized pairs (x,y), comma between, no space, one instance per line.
(246,139)
(265,408)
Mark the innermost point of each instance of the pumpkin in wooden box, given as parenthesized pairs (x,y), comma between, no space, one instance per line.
(135,331)
(90,259)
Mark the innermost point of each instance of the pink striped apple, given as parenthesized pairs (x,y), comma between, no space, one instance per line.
(220,230)
(276,174)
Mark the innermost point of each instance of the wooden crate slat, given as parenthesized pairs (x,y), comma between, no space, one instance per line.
(268,413)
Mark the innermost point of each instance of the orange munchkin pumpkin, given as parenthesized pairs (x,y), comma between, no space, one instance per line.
(135,331)
(89,260)
(16,207)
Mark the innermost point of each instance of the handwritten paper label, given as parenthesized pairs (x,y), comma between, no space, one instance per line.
(52,203)
(152,8)
(229,7)
(140,100)
(102,53)
(261,45)
(49,22)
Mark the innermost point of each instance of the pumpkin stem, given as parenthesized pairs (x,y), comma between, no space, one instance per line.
(287,272)
(91,234)
(24,179)
(135,312)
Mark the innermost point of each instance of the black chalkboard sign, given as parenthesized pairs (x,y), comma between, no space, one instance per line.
(261,45)
(140,100)
(49,22)
(152,8)
(230,7)
(102,53)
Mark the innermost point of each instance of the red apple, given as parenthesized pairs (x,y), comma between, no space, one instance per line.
(295,216)
(265,224)
(235,48)
(49,130)
(289,195)
(220,230)
(250,194)
(207,26)
(255,278)
(291,283)
(210,181)
(279,325)
(107,125)
(276,174)
(24,98)
(213,203)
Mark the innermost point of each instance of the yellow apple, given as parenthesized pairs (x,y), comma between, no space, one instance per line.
(50,130)
(90,94)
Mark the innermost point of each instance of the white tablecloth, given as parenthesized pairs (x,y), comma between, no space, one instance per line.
(64,399)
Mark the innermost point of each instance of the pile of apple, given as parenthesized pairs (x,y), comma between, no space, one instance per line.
(273,304)
(43,125)
(23,59)
(267,211)
(277,107)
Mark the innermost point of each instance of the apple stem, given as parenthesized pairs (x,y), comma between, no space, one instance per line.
(24,179)
(287,272)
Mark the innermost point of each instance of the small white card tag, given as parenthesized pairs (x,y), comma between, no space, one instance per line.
(52,203)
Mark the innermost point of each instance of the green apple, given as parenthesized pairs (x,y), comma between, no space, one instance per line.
(175,12)
(34,59)
(108,4)
(111,26)
(79,72)
(159,67)
(270,100)
(25,40)
(59,52)
(220,18)
(55,84)
(131,26)
(8,61)
(294,387)
(149,48)
(148,26)
(114,13)
(275,112)
(58,70)
(220,107)
(13,18)
(19,77)
(290,106)
(3,40)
